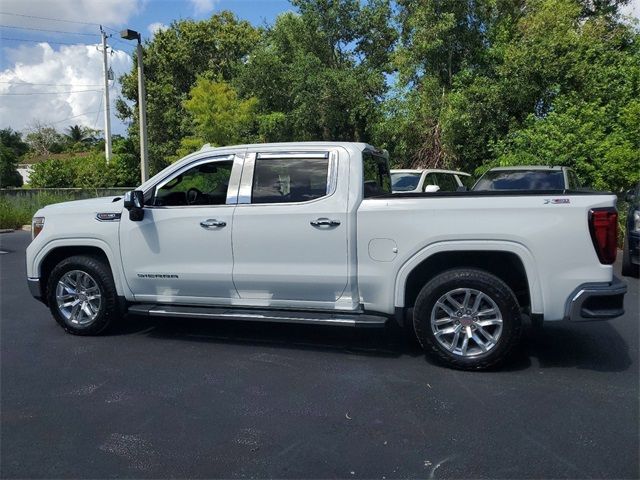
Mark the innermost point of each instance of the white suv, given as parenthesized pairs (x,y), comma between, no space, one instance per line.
(429,180)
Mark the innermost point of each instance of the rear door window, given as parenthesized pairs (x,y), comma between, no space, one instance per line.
(289,180)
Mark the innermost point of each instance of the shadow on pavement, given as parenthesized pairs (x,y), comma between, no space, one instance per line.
(593,346)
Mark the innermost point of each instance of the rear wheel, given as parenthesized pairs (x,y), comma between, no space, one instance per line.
(468,319)
(82,295)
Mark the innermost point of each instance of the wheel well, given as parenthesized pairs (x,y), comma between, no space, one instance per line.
(58,254)
(505,265)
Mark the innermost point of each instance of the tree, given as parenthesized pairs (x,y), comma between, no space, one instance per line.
(77,134)
(11,148)
(43,139)
(220,117)
(173,60)
(320,74)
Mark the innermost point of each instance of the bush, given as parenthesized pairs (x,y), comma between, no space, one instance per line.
(18,211)
(89,171)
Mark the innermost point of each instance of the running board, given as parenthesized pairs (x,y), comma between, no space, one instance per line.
(257,315)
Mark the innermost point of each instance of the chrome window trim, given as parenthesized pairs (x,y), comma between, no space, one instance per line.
(332,173)
(246,183)
(189,166)
(234,179)
(285,155)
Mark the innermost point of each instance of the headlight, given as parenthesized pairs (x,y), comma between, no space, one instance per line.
(37,224)
(636,220)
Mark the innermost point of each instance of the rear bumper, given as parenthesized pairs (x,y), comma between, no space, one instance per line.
(596,301)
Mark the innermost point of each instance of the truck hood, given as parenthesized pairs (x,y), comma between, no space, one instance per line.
(106,204)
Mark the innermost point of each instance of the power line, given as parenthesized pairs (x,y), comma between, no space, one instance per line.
(49,18)
(56,84)
(46,41)
(48,93)
(95,123)
(75,116)
(52,31)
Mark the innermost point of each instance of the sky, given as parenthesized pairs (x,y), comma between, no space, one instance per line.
(51,69)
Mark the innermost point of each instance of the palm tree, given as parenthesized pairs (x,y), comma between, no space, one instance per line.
(77,134)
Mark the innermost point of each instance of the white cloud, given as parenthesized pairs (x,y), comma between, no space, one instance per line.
(201,7)
(107,12)
(73,77)
(632,9)
(156,27)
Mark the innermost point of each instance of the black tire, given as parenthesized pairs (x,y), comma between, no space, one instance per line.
(476,280)
(109,307)
(628,269)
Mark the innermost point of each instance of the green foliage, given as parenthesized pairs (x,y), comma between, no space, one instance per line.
(173,60)
(555,83)
(220,117)
(54,173)
(90,171)
(320,74)
(17,210)
(11,147)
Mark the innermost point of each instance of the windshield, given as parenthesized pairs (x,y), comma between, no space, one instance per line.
(521,180)
(404,182)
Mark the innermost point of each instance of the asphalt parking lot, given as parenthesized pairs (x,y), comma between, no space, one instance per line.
(168,398)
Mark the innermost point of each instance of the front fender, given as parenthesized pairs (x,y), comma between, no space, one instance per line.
(34,268)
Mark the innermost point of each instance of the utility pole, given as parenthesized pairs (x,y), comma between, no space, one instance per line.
(129,34)
(107,108)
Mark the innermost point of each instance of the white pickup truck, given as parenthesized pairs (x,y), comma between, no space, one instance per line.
(311,233)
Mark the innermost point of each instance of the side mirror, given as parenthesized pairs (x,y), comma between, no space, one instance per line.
(431,189)
(134,202)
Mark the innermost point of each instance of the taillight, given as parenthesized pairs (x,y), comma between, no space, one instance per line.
(603,225)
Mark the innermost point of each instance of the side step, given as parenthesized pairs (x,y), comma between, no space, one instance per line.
(261,315)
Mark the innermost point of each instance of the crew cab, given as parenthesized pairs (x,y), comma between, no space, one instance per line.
(311,233)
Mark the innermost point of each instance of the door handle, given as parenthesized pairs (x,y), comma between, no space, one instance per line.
(325,222)
(212,223)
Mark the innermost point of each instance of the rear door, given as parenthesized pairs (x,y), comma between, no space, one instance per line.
(289,230)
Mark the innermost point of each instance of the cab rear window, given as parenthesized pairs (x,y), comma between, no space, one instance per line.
(377,177)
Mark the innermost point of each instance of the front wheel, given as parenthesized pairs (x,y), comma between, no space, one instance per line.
(468,319)
(82,295)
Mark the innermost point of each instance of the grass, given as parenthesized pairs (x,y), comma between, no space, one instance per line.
(18,211)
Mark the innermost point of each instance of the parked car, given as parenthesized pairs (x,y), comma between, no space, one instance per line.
(311,233)
(533,177)
(430,180)
(631,248)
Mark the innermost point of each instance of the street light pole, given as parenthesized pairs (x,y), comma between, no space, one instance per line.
(142,105)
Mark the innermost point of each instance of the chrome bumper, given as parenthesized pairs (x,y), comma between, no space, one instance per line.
(596,301)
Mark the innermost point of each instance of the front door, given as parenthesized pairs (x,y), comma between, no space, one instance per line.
(290,230)
(181,251)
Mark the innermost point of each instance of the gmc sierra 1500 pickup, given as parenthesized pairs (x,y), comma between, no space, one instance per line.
(311,233)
